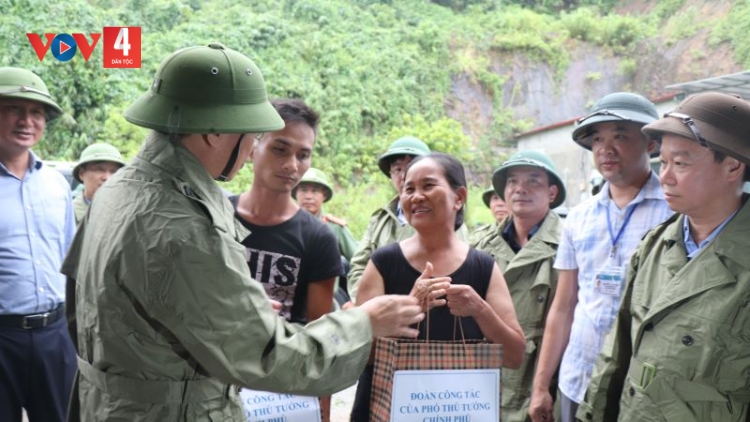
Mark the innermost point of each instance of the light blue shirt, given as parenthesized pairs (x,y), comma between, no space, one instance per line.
(586,245)
(690,246)
(36,229)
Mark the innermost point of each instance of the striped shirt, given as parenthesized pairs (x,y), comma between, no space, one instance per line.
(586,245)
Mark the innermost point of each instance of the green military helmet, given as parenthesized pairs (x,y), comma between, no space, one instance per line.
(26,85)
(715,120)
(534,159)
(613,107)
(407,145)
(487,195)
(206,89)
(313,175)
(98,152)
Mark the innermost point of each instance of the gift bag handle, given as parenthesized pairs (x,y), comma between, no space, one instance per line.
(457,321)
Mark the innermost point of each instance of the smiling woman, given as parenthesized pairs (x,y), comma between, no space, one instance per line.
(450,278)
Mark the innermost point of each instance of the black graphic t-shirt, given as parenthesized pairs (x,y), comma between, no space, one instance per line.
(286,257)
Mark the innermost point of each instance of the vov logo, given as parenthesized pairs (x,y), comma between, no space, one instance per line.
(63,46)
(122,46)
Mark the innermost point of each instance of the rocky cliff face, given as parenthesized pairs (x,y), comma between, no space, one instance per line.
(538,95)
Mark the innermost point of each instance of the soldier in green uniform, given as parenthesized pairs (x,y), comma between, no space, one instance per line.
(524,247)
(680,346)
(499,210)
(166,317)
(95,166)
(311,193)
(387,224)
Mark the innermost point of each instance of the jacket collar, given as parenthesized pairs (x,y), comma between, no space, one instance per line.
(542,245)
(188,176)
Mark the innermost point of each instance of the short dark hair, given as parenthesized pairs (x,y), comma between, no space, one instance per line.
(295,110)
(720,156)
(454,173)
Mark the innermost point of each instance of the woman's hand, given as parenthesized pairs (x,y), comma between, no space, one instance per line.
(430,290)
(463,300)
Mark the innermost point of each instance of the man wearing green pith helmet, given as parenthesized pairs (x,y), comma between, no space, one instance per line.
(524,246)
(388,224)
(97,163)
(166,316)
(313,190)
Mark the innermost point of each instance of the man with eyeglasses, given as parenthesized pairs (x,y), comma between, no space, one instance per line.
(598,238)
(388,224)
(168,320)
(680,347)
(37,359)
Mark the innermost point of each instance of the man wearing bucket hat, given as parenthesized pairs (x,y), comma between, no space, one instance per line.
(387,224)
(168,319)
(598,238)
(680,347)
(311,193)
(499,211)
(524,247)
(97,163)
(37,359)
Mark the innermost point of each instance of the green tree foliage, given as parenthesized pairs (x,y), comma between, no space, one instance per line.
(376,69)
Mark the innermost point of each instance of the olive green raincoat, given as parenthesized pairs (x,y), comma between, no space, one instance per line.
(532,283)
(167,315)
(79,208)
(680,347)
(347,244)
(383,229)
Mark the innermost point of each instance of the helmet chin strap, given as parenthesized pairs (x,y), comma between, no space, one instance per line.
(224,176)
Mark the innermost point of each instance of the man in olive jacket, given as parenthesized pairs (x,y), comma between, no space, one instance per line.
(680,346)
(165,314)
(524,247)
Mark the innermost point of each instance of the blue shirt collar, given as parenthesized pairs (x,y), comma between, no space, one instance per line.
(690,246)
(650,190)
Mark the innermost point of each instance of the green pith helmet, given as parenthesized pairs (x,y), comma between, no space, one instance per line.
(533,159)
(408,145)
(206,89)
(98,152)
(487,195)
(721,120)
(313,175)
(26,85)
(613,107)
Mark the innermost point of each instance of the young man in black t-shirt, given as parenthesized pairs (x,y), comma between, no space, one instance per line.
(289,251)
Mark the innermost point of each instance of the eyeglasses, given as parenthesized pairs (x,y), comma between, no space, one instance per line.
(397,170)
(603,112)
(688,121)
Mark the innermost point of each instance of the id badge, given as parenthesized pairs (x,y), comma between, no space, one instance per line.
(609,280)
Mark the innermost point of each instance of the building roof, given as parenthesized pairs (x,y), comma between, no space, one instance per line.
(736,83)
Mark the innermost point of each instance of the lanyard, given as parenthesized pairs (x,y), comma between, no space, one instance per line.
(614,238)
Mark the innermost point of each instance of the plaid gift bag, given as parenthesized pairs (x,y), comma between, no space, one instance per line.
(398,354)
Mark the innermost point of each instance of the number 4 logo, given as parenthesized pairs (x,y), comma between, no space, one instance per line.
(122,46)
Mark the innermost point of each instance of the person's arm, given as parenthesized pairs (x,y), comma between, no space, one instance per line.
(372,284)
(602,399)
(359,261)
(319,300)
(347,243)
(495,316)
(201,291)
(554,342)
